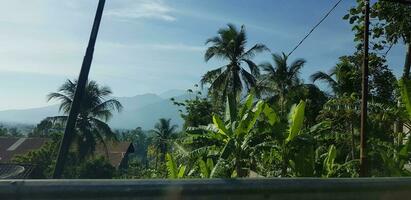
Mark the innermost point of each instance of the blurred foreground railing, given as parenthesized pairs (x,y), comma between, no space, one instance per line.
(305,188)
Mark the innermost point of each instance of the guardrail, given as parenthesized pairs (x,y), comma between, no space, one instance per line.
(255,189)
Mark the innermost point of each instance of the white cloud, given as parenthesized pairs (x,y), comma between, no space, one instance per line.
(143,9)
(167,46)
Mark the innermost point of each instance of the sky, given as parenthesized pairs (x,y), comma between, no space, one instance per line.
(152,46)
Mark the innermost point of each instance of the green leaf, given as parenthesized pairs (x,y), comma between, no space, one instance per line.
(346,16)
(220,125)
(258,108)
(296,119)
(405,88)
(203,169)
(228,149)
(231,109)
(247,105)
(181,171)
(249,119)
(270,114)
(210,163)
(329,160)
(171,167)
(219,170)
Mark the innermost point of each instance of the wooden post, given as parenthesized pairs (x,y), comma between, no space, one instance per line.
(364,93)
(81,84)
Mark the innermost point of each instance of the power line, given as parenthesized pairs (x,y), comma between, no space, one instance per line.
(312,30)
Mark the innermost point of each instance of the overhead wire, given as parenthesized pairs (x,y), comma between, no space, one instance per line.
(316,26)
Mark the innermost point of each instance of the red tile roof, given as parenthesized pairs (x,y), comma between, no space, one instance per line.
(7,152)
(10,147)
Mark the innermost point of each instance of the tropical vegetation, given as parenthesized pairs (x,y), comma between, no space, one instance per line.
(254,118)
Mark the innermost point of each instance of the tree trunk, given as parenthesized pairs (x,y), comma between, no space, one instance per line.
(352,142)
(285,163)
(398,127)
(407,63)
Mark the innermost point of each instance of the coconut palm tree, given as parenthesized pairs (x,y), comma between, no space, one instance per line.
(281,79)
(165,132)
(343,78)
(230,79)
(95,110)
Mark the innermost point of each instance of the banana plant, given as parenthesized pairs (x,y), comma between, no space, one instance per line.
(205,167)
(174,172)
(395,158)
(329,164)
(297,148)
(235,134)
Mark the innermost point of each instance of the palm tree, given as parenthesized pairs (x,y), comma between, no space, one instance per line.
(165,132)
(281,79)
(343,78)
(230,45)
(95,110)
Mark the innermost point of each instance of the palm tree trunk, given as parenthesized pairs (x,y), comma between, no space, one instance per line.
(352,141)
(284,164)
(241,172)
(164,151)
(407,63)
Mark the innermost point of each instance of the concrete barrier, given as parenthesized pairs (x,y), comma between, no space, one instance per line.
(296,188)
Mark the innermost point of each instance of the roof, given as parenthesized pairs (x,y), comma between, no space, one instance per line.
(15,171)
(117,151)
(10,147)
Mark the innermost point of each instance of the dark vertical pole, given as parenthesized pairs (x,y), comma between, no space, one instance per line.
(364,100)
(81,84)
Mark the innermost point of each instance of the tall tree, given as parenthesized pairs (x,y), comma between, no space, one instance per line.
(392,26)
(343,78)
(95,110)
(165,132)
(281,79)
(230,79)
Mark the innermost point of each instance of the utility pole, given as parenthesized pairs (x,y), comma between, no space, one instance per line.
(364,93)
(81,84)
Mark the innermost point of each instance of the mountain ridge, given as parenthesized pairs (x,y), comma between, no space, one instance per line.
(142,110)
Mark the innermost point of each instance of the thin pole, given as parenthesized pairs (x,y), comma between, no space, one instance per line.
(364,93)
(81,84)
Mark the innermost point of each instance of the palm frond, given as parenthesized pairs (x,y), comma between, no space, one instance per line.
(258,48)
(254,69)
(321,76)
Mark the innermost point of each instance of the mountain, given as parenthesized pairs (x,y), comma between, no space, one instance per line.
(28,116)
(172,93)
(140,110)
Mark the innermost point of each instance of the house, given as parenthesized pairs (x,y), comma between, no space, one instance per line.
(10,147)
(116,152)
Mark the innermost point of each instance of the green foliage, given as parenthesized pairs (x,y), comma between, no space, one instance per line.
(43,159)
(164,135)
(329,160)
(46,129)
(95,111)
(196,111)
(296,118)
(405,89)
(281,81)
(98,168)
(174,172)
(230,45)
(206,167)
(242,125)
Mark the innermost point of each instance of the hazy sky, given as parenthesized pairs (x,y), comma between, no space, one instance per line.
(153,45)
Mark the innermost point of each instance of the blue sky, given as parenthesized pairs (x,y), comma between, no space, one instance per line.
(154,45)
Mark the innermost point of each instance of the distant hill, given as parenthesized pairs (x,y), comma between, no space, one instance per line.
(140,110)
